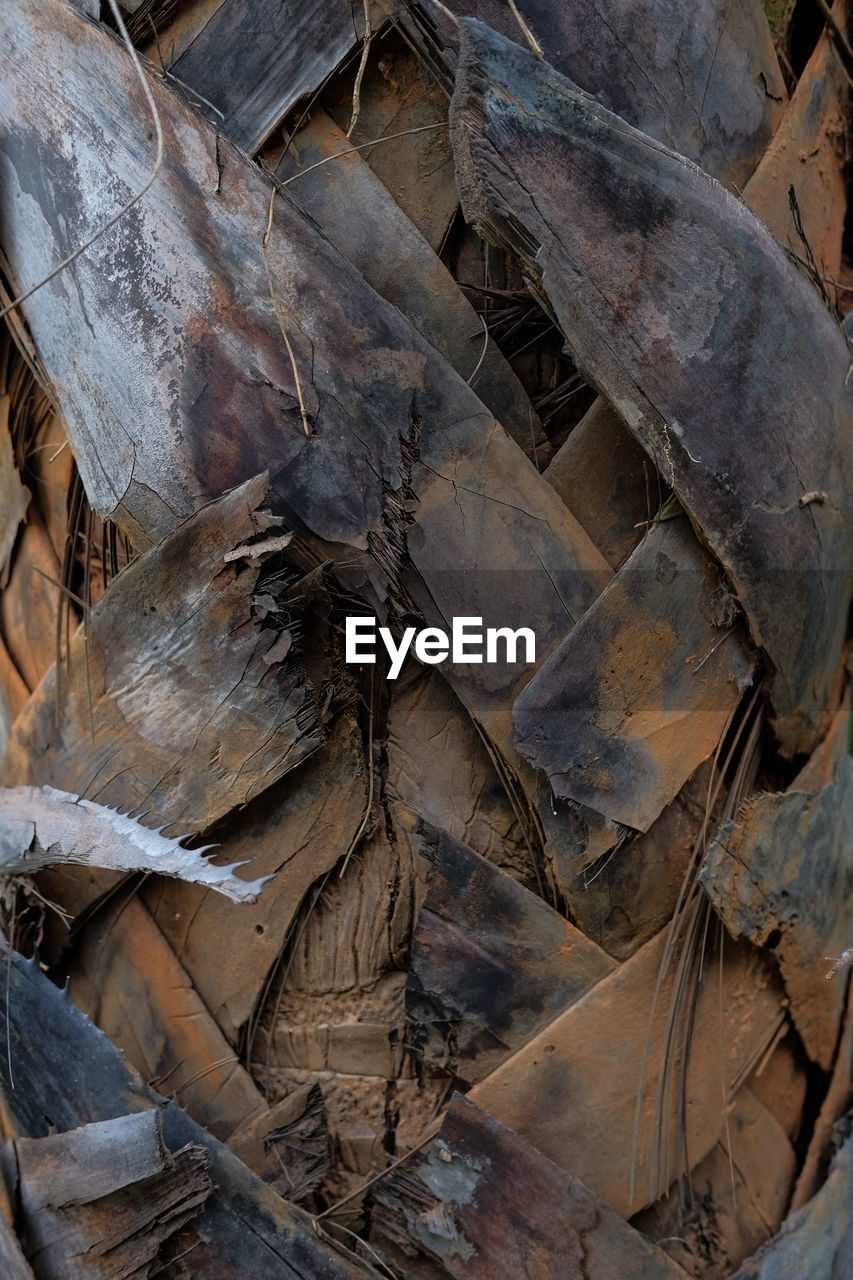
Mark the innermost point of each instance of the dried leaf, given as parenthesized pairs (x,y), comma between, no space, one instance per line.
(65,828)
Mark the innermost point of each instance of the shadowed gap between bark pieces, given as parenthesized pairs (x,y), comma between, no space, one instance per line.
(14,496)
(103,1200)
(188,721)
(621,898)
(484,1203)
(702,79)
(572,1089)
(709,377)
(74,1076)
(289,1145)
(817,1240)
(398,93)
(404,472)
(608,481)
(781,875)
(836,1102)
(804,153)
(522,962)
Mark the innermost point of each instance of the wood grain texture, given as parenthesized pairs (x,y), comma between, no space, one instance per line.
(170,708)
(102,1200)
(255,64)
(485,1203)
(657,339)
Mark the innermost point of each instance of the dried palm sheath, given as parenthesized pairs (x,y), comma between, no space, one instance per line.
(386,414)
(75,1076)
(226,330)
(703,79)
(780,532)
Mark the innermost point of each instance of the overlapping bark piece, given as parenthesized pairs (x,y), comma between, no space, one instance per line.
(703,79)
(638,695)
(485,1203)
(357,213)
(655,339)
(103,1200)
(572,1090)
(806,152)
(288,1146)
(607,481)
(817,1240)
(782,876)
(455,784)
(522,962)
(253,67)
(625,895)
(171,708)
(75,1076)
(401,460)
(398,95)
(293,833)
(29,602)
(126,978)
(736,1197)
(40,826)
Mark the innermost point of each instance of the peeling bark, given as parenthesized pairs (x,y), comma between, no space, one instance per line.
(170,710)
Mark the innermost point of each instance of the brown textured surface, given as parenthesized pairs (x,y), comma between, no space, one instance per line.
(656,340)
